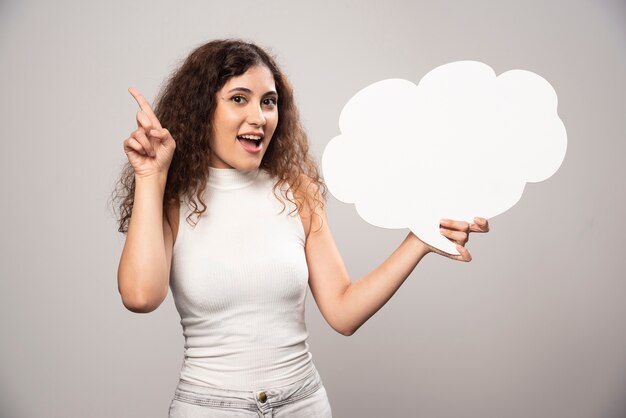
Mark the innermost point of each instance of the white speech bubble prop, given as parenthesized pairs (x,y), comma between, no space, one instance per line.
(462,143)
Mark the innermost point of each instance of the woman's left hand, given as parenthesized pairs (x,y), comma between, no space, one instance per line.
(458,232)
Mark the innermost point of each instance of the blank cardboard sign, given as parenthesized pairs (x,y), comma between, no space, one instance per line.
(462,143)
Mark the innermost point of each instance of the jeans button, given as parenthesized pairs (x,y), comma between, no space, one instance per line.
(262,397)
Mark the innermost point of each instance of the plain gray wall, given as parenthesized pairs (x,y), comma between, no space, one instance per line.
(534,326)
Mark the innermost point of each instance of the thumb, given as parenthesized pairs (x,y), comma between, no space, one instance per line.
(162,134)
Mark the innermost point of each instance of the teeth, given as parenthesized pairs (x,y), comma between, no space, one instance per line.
(254,137)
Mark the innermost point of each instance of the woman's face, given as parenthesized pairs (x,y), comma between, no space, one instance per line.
(246,105)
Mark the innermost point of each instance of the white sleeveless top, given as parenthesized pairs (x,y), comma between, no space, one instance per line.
(239,281)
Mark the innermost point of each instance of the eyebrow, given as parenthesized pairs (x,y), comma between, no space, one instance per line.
(247,90)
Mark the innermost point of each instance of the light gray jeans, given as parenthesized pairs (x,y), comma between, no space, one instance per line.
(303,399)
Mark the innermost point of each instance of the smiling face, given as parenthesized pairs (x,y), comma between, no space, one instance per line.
(246,106)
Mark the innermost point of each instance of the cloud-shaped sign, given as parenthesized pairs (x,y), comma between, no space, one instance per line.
(462,143)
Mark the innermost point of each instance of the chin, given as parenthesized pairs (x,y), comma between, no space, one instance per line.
(248,166)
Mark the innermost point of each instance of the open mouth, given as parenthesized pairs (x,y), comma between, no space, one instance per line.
(250,142)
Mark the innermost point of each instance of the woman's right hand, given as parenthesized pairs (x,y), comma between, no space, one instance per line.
(150,148)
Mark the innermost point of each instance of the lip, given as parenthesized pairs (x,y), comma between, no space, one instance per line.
(253,133)
(250,150)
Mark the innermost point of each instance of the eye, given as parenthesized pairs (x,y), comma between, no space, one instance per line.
(270,101)
(238,99)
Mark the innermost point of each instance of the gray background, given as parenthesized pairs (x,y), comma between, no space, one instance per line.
(533,327)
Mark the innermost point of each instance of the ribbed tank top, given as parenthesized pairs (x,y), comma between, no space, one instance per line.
(239,281)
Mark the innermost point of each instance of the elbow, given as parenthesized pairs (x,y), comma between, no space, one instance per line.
(345,330)
(139,299)
(341,323)
(139,304)
(139,307)
(141,291)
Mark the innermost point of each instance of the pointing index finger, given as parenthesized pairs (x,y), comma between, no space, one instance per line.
(145,106)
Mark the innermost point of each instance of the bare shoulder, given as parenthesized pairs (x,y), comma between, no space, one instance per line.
(306,195)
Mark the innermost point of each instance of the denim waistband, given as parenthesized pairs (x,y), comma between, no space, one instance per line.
(260,399)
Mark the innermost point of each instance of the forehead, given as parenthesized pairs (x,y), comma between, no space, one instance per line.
(258,78)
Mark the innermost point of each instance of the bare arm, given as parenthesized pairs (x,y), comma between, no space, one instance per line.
(363,298)
(346,305)
(143,273)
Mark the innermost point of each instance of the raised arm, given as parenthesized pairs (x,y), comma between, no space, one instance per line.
(143,272)
(346,305)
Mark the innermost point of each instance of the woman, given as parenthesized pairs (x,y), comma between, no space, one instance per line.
(225,133)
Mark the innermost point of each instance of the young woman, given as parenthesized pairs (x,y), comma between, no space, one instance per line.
(225,135)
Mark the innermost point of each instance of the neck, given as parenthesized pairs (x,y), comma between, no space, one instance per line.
(231,178)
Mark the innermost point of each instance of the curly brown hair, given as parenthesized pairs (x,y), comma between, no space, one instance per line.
(185,106)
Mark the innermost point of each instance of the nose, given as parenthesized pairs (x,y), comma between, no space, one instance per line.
(256,116)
